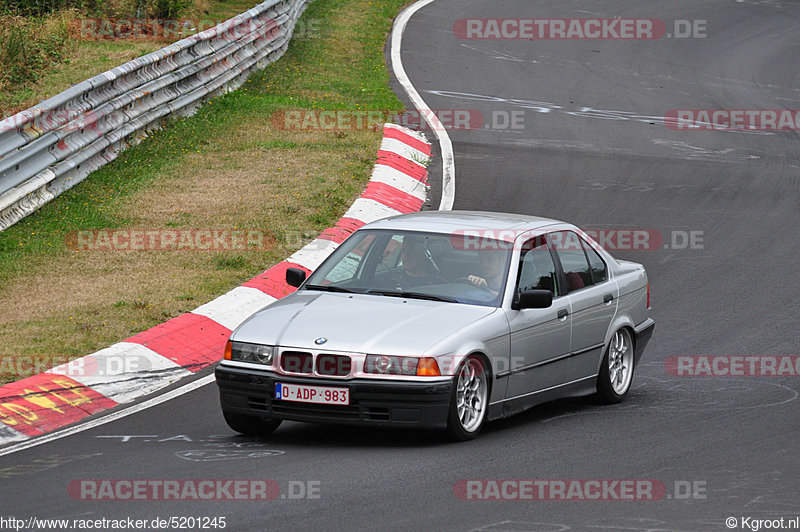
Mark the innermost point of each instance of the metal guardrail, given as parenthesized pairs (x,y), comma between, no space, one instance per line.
(51,147)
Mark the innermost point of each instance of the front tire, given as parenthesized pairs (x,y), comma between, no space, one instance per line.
(616,370)
(251,425)
(469,400)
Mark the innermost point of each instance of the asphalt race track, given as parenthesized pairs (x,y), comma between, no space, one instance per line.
(590,146)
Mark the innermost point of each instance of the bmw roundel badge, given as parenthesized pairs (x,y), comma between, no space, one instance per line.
(321,340)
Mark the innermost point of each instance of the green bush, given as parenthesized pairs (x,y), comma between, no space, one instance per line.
(112,8)
(39,8)
(29,45)
(168,8)
(34,33)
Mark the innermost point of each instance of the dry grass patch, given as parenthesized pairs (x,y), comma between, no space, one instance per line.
(224,168)
(94,298)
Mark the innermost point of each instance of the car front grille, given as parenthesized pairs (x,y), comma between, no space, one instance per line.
(305,363)
(333,365)
(297,362)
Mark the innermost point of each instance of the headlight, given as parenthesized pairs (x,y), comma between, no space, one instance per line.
(253,353)
(390,365)
(386,365)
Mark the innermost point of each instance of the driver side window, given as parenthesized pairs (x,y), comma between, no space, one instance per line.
(391,255)
(536,268)
(347,268)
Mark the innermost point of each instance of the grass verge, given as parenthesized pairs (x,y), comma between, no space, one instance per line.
(41,56)
(227,167)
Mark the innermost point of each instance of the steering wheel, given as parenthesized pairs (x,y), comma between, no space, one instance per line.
(401,282)
(465,280)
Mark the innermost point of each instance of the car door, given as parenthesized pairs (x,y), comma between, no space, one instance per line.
(540,338)
(593,301)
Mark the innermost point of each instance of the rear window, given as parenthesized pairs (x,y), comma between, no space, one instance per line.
(597,265)
(571,251)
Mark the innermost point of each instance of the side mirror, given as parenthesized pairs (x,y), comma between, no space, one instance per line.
(295,276)
(534,299)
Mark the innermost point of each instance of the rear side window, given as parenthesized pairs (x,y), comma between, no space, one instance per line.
(571,252)
(596,264)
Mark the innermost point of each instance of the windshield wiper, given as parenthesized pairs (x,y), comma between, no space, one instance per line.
(412,295)
(330,288)
(391,293)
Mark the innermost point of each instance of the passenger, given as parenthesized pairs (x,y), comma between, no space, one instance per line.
(416,266)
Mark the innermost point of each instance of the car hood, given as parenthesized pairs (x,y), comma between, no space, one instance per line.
(358,323)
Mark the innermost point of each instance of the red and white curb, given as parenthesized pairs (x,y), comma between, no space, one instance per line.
(180,347)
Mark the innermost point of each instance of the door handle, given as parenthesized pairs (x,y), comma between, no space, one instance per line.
(562,313)
(607,298)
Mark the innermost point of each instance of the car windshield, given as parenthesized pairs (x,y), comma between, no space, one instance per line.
(434,266)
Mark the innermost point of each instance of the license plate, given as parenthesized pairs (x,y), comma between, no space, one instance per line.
(312,394)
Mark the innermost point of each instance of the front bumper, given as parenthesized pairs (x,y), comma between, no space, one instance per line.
(373,403)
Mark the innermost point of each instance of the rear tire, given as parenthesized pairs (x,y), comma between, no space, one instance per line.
(469,400)
(616,370)
(251,425)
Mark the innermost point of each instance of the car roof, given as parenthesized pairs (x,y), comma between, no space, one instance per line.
(455,221)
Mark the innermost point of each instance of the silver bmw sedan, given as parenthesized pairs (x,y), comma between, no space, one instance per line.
(440,320)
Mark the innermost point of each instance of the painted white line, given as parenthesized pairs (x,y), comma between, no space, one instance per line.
(404,150)
(312,254)
(397,179)
(80,427)
(446,146)
(410,132)
(123,372)
(369,210)
(232,308)
(8,434)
